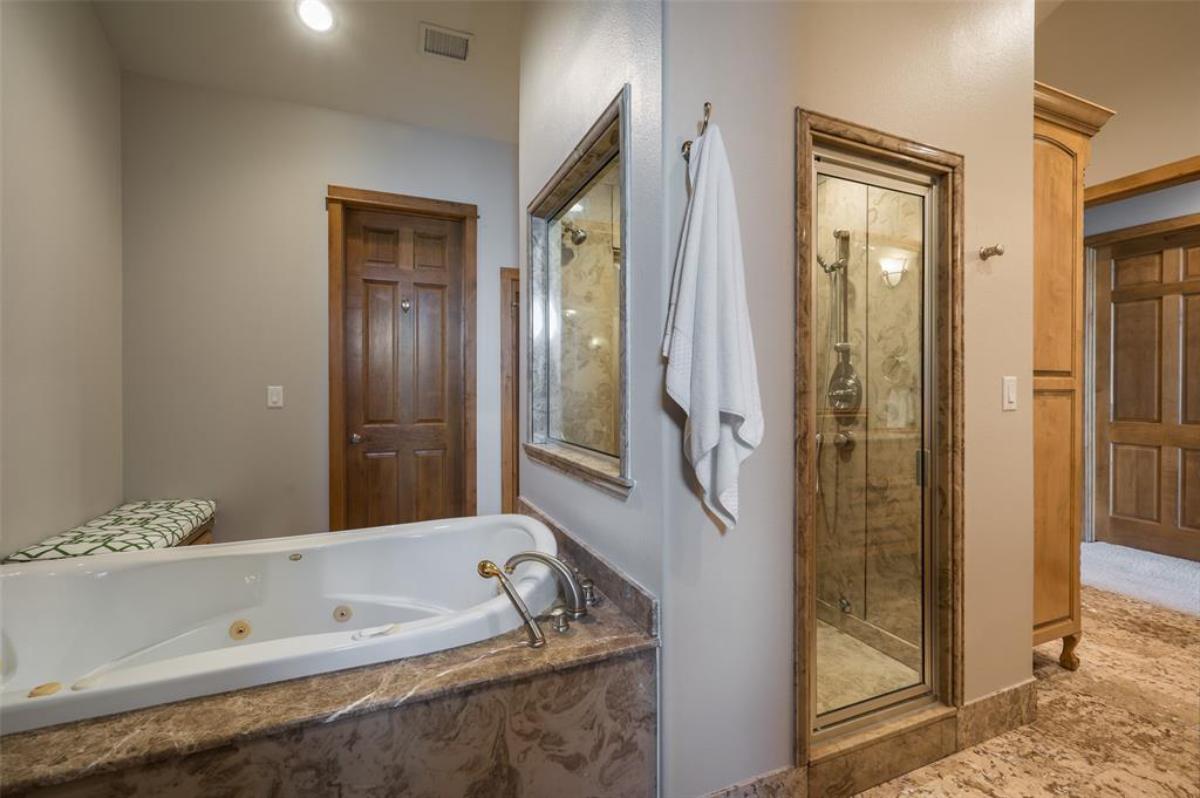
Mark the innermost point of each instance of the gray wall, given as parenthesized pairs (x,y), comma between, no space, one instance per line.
(60,424)
(575,57)
(225,290)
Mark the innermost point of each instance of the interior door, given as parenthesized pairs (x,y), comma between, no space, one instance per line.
(404,374)
(1148,393)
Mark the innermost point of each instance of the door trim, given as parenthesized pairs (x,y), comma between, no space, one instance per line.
(510,368)
(338,199)
(1154,179)
(945,169)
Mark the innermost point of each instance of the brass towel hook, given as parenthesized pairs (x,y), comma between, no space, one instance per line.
(687,145)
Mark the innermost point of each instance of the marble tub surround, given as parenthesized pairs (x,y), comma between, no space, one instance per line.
(284,710)
(635,601)
(585,731)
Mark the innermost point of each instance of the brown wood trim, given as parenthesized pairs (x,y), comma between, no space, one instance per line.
(384,200)
(948,169)
(337,365)
(1154,179)
(510,425)
(1066,109)
(1178,224)
(201,535)
(470,375)
(337,200)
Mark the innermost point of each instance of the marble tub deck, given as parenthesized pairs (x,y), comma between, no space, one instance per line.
(89,748)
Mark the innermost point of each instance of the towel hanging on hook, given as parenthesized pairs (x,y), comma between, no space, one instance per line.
(687,145)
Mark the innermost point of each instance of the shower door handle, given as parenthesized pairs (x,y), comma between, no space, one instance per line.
(817,465)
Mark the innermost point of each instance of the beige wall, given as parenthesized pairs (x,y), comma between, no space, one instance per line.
(60,425)
(1142,60)
(958,76)
(225,290)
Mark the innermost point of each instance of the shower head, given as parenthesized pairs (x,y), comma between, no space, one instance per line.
(578,234)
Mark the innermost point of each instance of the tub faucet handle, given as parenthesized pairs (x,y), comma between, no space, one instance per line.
(590,596)
(488,569)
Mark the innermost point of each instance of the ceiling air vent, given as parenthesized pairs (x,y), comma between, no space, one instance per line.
(448,43)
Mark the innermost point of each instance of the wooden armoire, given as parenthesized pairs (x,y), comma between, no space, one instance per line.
(1063,127)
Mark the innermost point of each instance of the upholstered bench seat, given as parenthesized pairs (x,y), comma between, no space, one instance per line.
(135,526)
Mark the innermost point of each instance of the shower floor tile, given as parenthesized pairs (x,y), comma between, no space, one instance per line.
(850,671)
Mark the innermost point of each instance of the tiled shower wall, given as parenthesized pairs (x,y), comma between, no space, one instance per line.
(869,507)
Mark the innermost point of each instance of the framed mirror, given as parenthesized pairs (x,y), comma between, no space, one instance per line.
(578,284)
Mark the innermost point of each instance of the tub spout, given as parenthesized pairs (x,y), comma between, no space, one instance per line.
(487,569)
(576,603)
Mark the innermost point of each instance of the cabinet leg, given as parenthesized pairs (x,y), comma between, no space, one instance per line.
(1069,659)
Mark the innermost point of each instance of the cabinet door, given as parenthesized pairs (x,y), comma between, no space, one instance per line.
(1060,155)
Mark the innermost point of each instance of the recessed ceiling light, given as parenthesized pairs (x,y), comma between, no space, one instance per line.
(315,14)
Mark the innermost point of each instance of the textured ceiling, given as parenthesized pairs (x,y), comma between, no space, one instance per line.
(370,63)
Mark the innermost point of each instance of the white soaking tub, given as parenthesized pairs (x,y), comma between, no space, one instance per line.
(120,631)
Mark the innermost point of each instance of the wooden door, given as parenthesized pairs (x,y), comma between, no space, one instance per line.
(1148,391)
(510,389)
(403,368)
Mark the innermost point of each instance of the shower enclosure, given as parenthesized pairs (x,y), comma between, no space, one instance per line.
(870,356)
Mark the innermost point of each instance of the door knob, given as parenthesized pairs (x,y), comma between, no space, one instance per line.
(355,437)
(405,304)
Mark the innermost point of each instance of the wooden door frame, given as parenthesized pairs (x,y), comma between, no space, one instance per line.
(1166,229)
(946,169)
(339,199)
(1155,179)
(510,368)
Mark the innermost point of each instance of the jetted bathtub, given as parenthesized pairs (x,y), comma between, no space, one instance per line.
(128,630)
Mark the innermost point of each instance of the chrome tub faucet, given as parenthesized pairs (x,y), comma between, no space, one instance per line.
(579,594)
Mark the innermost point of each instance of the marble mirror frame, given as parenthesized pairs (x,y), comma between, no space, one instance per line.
(608,137)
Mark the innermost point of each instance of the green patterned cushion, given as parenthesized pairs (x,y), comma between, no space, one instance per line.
(155,524)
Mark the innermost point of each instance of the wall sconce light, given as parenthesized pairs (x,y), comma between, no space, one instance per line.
(893,270)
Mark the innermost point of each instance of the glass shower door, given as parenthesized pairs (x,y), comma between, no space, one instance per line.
(873,615)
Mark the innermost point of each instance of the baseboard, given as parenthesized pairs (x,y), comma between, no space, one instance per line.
(997,713)
(853,764)
(782,783)
(618,587)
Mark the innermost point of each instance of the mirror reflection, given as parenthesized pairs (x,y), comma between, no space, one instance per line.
(584,283)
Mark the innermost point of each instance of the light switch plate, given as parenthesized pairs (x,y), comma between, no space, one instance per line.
(274,396)
(1008,396)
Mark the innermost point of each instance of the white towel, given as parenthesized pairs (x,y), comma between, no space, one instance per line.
(708,344)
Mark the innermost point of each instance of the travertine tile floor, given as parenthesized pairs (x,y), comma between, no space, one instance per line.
(1126,724)
(849,671)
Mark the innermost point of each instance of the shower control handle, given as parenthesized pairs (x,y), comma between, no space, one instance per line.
(844,439)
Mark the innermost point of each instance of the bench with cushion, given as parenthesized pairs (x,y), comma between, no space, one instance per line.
(136,526)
